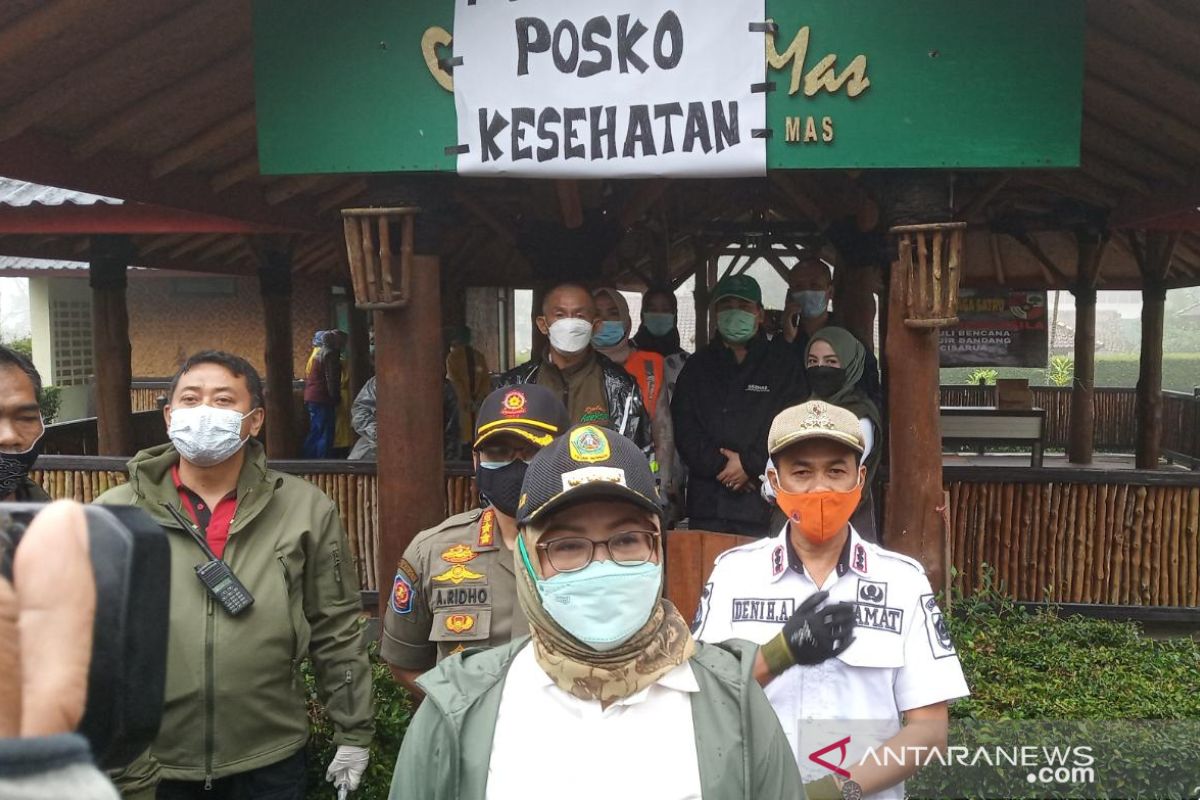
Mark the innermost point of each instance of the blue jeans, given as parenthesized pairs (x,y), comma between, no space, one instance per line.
(320,430)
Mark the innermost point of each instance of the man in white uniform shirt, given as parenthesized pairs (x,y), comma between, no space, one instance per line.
(884,679)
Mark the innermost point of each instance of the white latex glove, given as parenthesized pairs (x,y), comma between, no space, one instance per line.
(348,765)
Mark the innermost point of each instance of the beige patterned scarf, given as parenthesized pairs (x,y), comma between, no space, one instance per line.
(662,644)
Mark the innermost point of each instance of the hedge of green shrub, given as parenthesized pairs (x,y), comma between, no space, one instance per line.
(1020,666)
(1181,372)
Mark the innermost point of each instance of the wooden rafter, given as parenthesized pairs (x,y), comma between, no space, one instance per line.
(144,110)
(239,172)
(114,64)
(203,143)
(45,21)
(1053,275)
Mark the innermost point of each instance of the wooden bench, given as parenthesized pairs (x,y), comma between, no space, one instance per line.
(980,426)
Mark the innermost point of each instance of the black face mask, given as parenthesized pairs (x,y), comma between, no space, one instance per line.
(825,381)
(502,487)
(14,467)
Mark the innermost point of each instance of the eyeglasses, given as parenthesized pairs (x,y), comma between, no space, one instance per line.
(507,453)
(627,549)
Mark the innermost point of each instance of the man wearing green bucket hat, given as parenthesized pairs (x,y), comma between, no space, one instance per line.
(724,402)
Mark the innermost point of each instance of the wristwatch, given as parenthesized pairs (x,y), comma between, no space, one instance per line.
(849,789)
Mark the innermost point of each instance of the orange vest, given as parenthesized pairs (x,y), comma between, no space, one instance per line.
(648,368)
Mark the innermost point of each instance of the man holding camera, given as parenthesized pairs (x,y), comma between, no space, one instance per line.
(261,577)
(21,427)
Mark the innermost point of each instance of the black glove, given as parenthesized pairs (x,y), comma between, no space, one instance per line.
(811,635)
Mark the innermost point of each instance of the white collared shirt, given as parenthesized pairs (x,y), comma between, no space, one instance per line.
(550,744)
(902,657)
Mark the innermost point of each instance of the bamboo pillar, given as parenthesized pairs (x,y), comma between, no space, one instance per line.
(275,286)
(408,372)
(1154,252)
(1083,411)
(915,494)
(110,255)
(1081,437)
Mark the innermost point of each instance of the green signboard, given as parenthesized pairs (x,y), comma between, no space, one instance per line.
(356,87)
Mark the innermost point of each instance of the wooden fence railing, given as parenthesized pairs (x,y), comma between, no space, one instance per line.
(1181,427)
(1078,536)
(1115,412)
(144,393)
(79,437)
(1067,536)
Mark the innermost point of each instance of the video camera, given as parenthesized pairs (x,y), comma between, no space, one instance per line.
(131,561)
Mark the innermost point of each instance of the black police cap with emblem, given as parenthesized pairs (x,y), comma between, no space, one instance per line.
(529,411)
(588,463)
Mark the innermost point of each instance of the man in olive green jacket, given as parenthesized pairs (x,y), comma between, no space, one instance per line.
(234,716)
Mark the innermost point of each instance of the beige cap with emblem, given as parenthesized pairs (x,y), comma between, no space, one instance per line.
(815,419)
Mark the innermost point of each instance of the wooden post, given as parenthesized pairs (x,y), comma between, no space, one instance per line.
(359,350)
(1081,437)
(110,255)
(1153,253)
(854,301)
(408,375)
(705,268)
(914,521)
(275,286)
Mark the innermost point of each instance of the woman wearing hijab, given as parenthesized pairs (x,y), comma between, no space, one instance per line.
(834,365)
(610,696)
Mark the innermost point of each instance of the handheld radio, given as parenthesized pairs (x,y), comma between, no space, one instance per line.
(215,574)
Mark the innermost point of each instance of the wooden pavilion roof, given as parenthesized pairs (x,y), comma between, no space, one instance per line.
(152,101)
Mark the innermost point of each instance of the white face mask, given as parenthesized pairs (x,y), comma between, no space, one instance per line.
(571,335)
(206,436)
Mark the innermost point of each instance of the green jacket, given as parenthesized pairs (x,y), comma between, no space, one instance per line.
(234,695)
(741,750)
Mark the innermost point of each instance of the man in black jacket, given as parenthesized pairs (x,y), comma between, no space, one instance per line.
(724,402)
(592,387)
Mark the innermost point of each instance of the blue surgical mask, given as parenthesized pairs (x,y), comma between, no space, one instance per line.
(658,323)
(603,604)
(813,303)
(611,334)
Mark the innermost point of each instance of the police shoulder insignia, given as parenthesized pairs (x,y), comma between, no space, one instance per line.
(457,574)
(408,570)
(589,444)
(860,557)
(487,529)
(458,554)
(402,594)
(460,623)
(777,561)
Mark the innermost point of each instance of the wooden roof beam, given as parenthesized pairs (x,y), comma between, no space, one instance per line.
(203,143)
(337,198)
(1111,174)
(642,200)
(288,188)
(486,217)
(1049,269)
(1140,119)
(1130,152)
(1135,70)
(46,159)
(231,176)
(45,21)
(1143,212)
(570,203)
(114,65)
(145,109)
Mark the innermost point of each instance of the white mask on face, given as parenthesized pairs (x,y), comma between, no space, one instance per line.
(571,335)
(206,436)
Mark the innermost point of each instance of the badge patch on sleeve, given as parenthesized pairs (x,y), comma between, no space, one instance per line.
(935,625)
(702,610)
(872,593)
(460,623)
(402,593)
(458,554)
(777,561)
(457,574)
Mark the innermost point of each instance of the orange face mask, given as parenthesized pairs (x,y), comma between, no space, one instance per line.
(819,515)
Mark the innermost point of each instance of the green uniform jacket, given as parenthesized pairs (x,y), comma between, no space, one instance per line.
(741,750)
(234,696)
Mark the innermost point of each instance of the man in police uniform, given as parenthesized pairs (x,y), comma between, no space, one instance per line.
(850,631)
(454,588)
